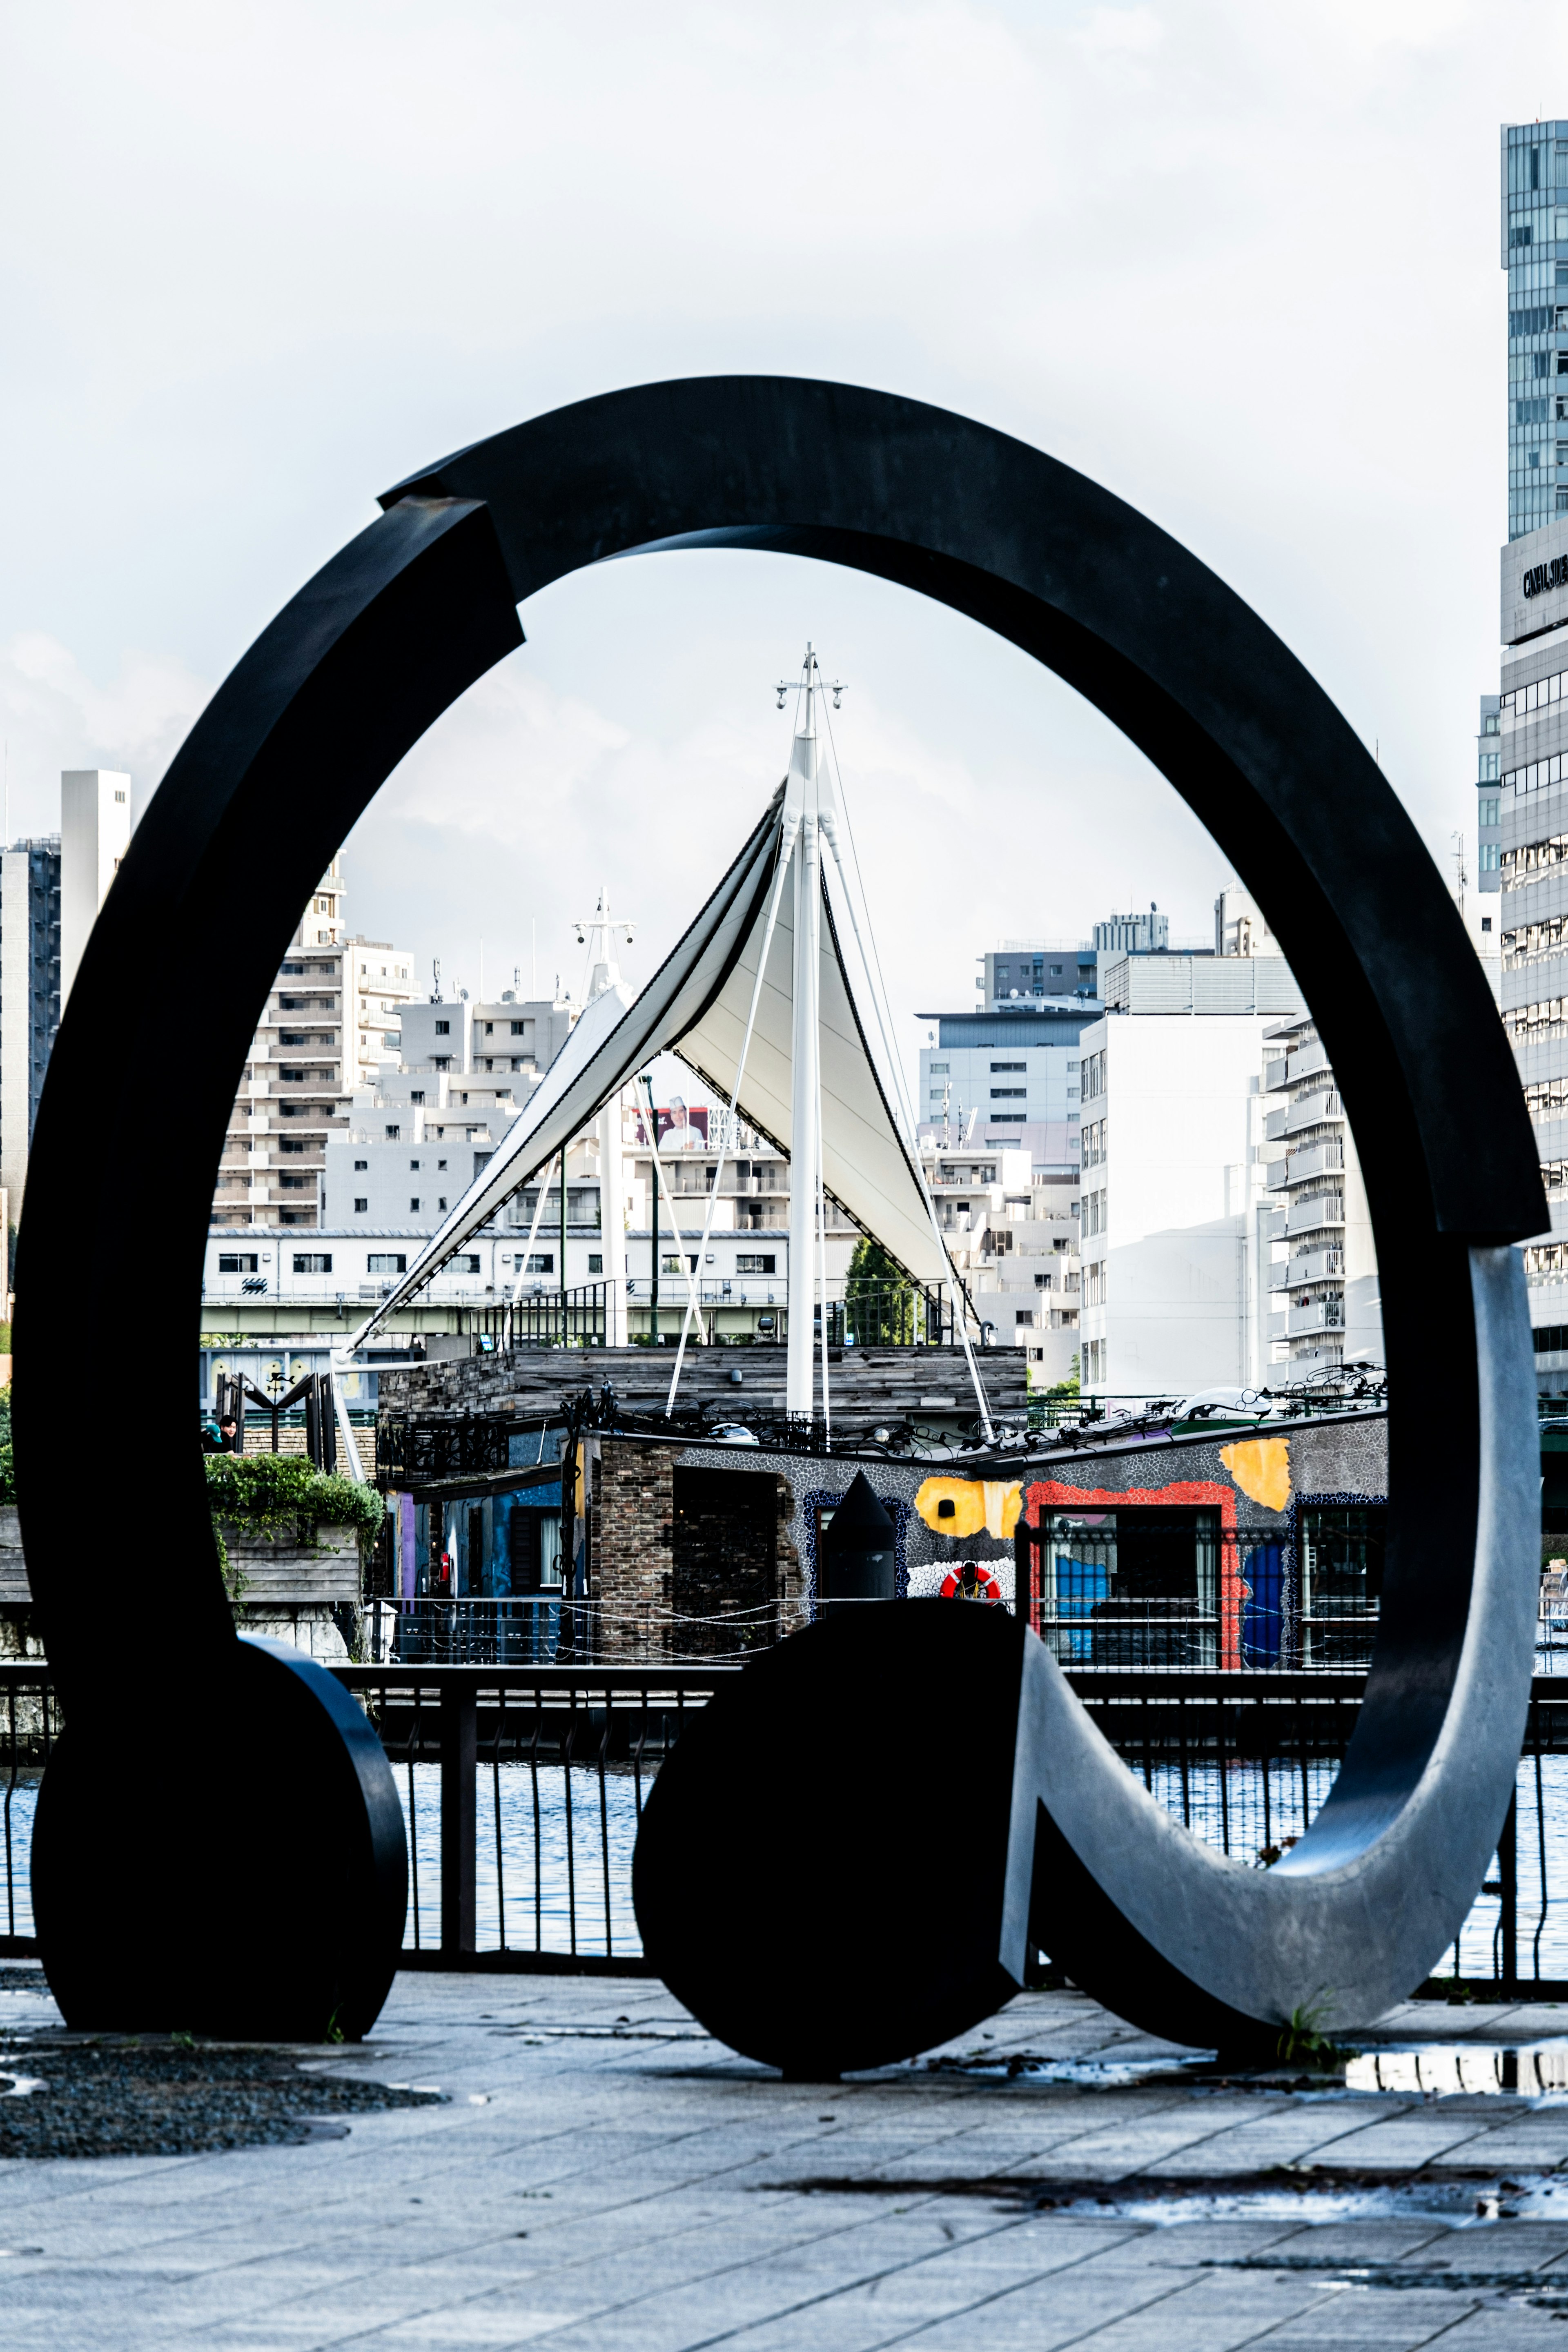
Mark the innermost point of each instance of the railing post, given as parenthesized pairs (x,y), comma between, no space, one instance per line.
(459,1816)
(1508,1882)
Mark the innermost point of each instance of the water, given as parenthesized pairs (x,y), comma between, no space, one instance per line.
(531,1880)
(1253,1810)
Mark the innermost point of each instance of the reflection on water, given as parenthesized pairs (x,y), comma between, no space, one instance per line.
(1534,2070)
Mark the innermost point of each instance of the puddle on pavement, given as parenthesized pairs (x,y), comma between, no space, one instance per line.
(1092,2073)
(1531,2070)
(1308,2196)
(1456,2204)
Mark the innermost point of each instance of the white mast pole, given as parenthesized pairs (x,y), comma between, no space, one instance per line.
(805,1075)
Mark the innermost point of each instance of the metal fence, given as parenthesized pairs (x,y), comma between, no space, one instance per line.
(522,1787)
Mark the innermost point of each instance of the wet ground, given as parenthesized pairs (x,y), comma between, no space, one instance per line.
(599,2174)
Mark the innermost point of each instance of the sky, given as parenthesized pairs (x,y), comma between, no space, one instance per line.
(1239,264)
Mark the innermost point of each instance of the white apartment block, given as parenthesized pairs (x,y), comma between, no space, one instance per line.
(1177,1223)
(95,834)
(330,1018)
(1325,1302)
(51,888)
(1014,1250)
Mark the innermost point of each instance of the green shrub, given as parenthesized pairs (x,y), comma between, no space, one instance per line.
(283,1493)
(8,1462)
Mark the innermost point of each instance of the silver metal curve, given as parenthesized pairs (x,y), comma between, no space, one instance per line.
(1357,1914)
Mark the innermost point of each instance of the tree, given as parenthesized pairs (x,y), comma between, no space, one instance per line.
(880,1302)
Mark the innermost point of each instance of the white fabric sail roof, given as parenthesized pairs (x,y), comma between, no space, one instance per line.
(696,1006)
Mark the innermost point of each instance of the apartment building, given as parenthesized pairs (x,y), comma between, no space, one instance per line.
(51,887)
(332,1017)
(1014,1247)
(1325,1306)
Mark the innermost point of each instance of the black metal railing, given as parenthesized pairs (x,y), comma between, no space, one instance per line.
(416,1452)
(543,1318)
(522,1787)
(550,1627)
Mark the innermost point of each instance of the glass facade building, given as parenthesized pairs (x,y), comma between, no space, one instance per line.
(1534,234)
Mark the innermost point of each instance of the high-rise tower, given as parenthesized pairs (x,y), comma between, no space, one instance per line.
(1535,256)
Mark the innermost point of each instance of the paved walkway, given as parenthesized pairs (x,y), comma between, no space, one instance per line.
(605,2177)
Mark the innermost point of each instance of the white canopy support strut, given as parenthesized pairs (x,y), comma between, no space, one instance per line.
(725,1001)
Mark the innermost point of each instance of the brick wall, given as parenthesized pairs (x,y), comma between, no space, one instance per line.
(630,1554)
(667,1544)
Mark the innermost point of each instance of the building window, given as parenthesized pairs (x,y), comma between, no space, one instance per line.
(360,1166)
(1020,1067)
(443,1028)
(392,1133)
(385,1262)
(467,1264)
(750,1265)
(413,1205)
(236,1262)
(490,1028)
(595,1262)
(417,1097)
(1008,1094)
(441,1203)
(520,1028)
(413,1164)
(312,1262)
(541,1262)
(1488,857)
(1488,810)
(360,1206)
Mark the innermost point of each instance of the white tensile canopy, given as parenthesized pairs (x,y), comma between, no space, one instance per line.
(698,1005)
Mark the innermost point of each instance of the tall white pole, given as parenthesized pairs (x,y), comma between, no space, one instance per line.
(806,1090)
(613,1220)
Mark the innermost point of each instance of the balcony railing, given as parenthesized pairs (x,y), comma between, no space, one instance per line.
(1318,1210)
(1319,1314)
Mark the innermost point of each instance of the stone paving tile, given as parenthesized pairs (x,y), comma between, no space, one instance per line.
(647,2175)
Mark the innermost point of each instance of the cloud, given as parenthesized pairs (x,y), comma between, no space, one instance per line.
(53,716)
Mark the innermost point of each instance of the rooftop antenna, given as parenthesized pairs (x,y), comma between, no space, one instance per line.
(599,931)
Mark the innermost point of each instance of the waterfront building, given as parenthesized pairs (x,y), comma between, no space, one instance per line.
(332,1017)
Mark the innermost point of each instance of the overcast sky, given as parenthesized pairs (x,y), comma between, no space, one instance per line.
(1239,263)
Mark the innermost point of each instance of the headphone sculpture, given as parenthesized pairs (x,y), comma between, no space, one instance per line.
(843,1860)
